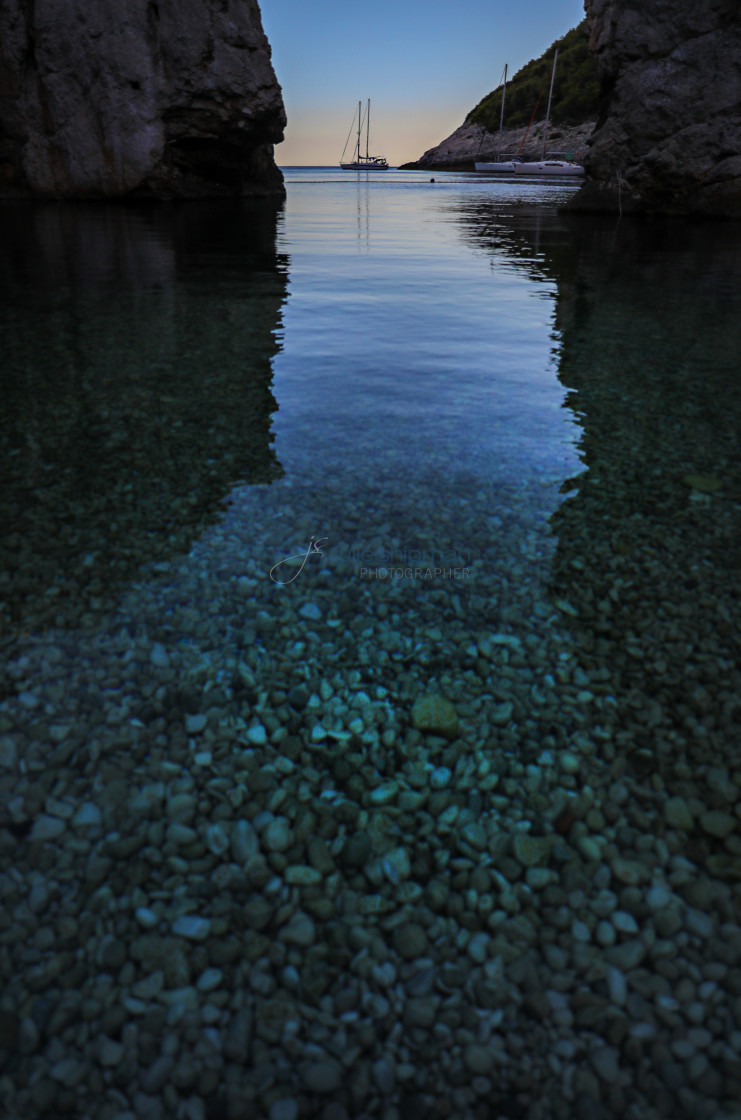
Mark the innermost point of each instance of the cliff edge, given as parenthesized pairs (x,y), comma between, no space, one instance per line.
(669,135)
(137,98)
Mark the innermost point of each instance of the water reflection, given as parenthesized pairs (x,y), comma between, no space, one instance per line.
(649,544)
(648,553)
(136,386)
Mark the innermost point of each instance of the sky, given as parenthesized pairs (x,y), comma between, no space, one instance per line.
(423,63)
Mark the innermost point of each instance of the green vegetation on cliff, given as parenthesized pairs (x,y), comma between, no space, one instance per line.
(575,93)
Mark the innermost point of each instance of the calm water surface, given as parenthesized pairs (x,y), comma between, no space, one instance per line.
(513,435)
(395,366)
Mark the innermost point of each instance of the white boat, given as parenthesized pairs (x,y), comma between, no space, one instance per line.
(552,165)
(361,162)
(499,165)
(504,165)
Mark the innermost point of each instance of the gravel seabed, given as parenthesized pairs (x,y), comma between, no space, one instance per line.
(251,872)
(462,845)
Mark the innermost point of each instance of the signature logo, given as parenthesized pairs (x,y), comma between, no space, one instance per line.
(312,550)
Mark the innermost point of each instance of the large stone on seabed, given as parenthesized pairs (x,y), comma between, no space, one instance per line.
(435,715)
(142,98)
(670,125)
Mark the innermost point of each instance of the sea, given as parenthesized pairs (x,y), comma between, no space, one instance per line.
(399,518)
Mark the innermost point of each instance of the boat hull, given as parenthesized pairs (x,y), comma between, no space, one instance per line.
(366,165)
(501,168)
(551,167)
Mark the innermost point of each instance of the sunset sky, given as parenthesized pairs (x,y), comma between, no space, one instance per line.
(423,63)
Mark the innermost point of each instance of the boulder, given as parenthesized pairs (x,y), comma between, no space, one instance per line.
(150,98)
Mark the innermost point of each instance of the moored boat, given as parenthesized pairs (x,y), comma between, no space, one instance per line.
(499,164)
(361,162)
(550,167)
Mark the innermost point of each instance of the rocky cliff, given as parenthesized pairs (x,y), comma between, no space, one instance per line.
(669,136)
(471,142)
(164,98)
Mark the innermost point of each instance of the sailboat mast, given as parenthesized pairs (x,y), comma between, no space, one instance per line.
(501,115)
(548,111)
(367,130)
(360,118)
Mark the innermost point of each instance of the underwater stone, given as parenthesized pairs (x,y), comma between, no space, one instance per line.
(217,840)
(356,851)
(194,725)
(384,793)
(192,927)
(244,842)
(257,735)
(47,828)
(110,1052)
(678,815)
(158,656)
(302,876)
(7,753)
(530,851)
(717,823)
(477,1058)
(502,713)
(435,715)
(705,483)
(300,930)
(310,611)
(410,941)
(324,1076)
(629,871)
(278,836)
(146,918)
(440,777)
(87,816)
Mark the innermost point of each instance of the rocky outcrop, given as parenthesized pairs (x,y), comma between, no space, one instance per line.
(669,137)
(470,142)
(163,98)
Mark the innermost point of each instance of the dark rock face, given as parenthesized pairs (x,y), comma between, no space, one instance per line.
(107,98)
(671,122)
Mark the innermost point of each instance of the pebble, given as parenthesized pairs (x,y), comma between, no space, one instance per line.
(616,986)
(110,1052)
(243,842)
(410,941)
(717,823)
(87,815)
(158,656)
(324,1076)
(195,724)
(678,815)
(278,836)
(435,715)
(530,851)
(698,923)
(257,735)
(604,1062)
(284,1109)
(440,777)
(47,828)
(192,927)
(624,922)
(477,1058)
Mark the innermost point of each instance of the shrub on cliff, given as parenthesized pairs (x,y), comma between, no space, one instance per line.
(575,93)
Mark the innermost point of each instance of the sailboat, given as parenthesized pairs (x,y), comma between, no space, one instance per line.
(499,165)
(362,162)
(552,165)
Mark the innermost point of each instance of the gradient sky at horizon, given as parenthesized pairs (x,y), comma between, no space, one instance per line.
(423,65)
